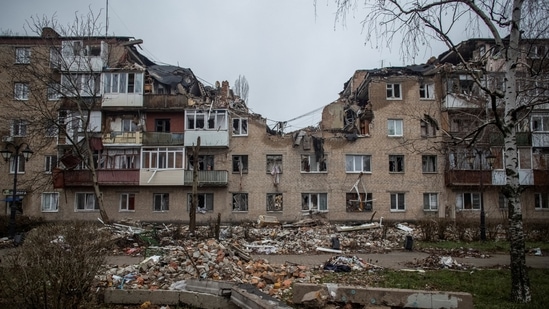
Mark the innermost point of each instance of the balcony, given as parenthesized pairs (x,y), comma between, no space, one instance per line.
(119,137)
(540,139)
(83,178)
(467,177)
(208,138)
(165,101)
(526,177)
(207,178)
(162,139)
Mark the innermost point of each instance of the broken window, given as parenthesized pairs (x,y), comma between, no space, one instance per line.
(393,92)
(240,126)
(204,202)
(468,201)
(310,164)
(427,91)
(358,163)
(122,82)
(429,163)
(540,123)
(162,125)
(74,85)
(112,158)
(358,203)
(542,200)
(206,120)
(205,162)
(128,125)
(161,201)
(428,126)
(314,201)
(127,201)
(396,163)
(274,202)
(274,164)
(394,127)
(22,55)
(240,164)
(240,201)
(430,201)
(86,202)
(398,202)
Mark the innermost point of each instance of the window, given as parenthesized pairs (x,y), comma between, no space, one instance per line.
(397,202)
(21,91)
(430,201)
(468,201)
(542,200)
(428,127)
(396,163)
(429,163)
(18,128)
(50,128)
(50,202)
(394,127)
(74,85)
(50,162)
(274,202)
(72,48)
(204,203)
(20,165)
(128,125)
(161,202)
(240,126)
(358,163)
(314,202)
(240,164)
(540,123)
(206,120)
(122,82)
(427,91)
(313,164)
(53,91)
(127,202)
(502,201)
(240,201)
(22,55)
(393,91)
(358,202)
(274,164)
(55,58)
(113,158)
(205,163)
(163,158)
(86,202)
(162,125)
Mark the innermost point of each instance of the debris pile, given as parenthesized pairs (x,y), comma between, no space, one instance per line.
(435,261)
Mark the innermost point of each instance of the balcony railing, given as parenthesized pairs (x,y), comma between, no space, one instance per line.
(123,138)
(163,139)
(83,178)
(207,178)
(165,101)
(467,177)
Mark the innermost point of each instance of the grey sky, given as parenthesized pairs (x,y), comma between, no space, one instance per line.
(295,59)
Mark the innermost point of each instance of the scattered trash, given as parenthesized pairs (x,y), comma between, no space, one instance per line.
(537,251)
(404,228)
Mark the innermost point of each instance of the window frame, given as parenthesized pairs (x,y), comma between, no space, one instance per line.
(46,200)
(307,204)
(542,121)
(50,163)
(429,160)
(428,202)
(396,164)
(240,198)
(468,198)
(20,165)
(393,129)
(352,159)
(541,201)
(244,161)
(21,91)
(391,89)
(214,120)
(126,202)
(164,199)
(87,196)
(240,126)
(205,198)
(274,163)
(272,200)
(24,57)
(319,166)
(352,203)
(18,127)
(428,90)
(398,201)
(164,158)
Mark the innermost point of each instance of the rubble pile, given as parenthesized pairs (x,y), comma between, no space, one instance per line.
(207,260)
(435,261)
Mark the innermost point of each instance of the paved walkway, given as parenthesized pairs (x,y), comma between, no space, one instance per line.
(392,260)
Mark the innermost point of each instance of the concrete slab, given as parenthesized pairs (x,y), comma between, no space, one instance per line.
(248,296)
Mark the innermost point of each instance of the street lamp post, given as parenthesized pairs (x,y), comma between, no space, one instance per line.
(490,159)
(7,154)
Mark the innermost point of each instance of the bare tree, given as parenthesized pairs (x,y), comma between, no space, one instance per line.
(510,24)
(241,88)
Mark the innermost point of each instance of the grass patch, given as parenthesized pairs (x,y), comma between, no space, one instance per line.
(486,246)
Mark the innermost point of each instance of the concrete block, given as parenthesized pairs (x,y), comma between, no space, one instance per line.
(386,297)
(247,296)
(130,297)
(219,288)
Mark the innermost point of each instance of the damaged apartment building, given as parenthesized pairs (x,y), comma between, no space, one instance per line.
(379,150)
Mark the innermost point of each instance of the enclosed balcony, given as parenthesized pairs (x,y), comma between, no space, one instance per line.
(162,139)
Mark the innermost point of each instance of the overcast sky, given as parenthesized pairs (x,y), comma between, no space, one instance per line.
(295,58)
